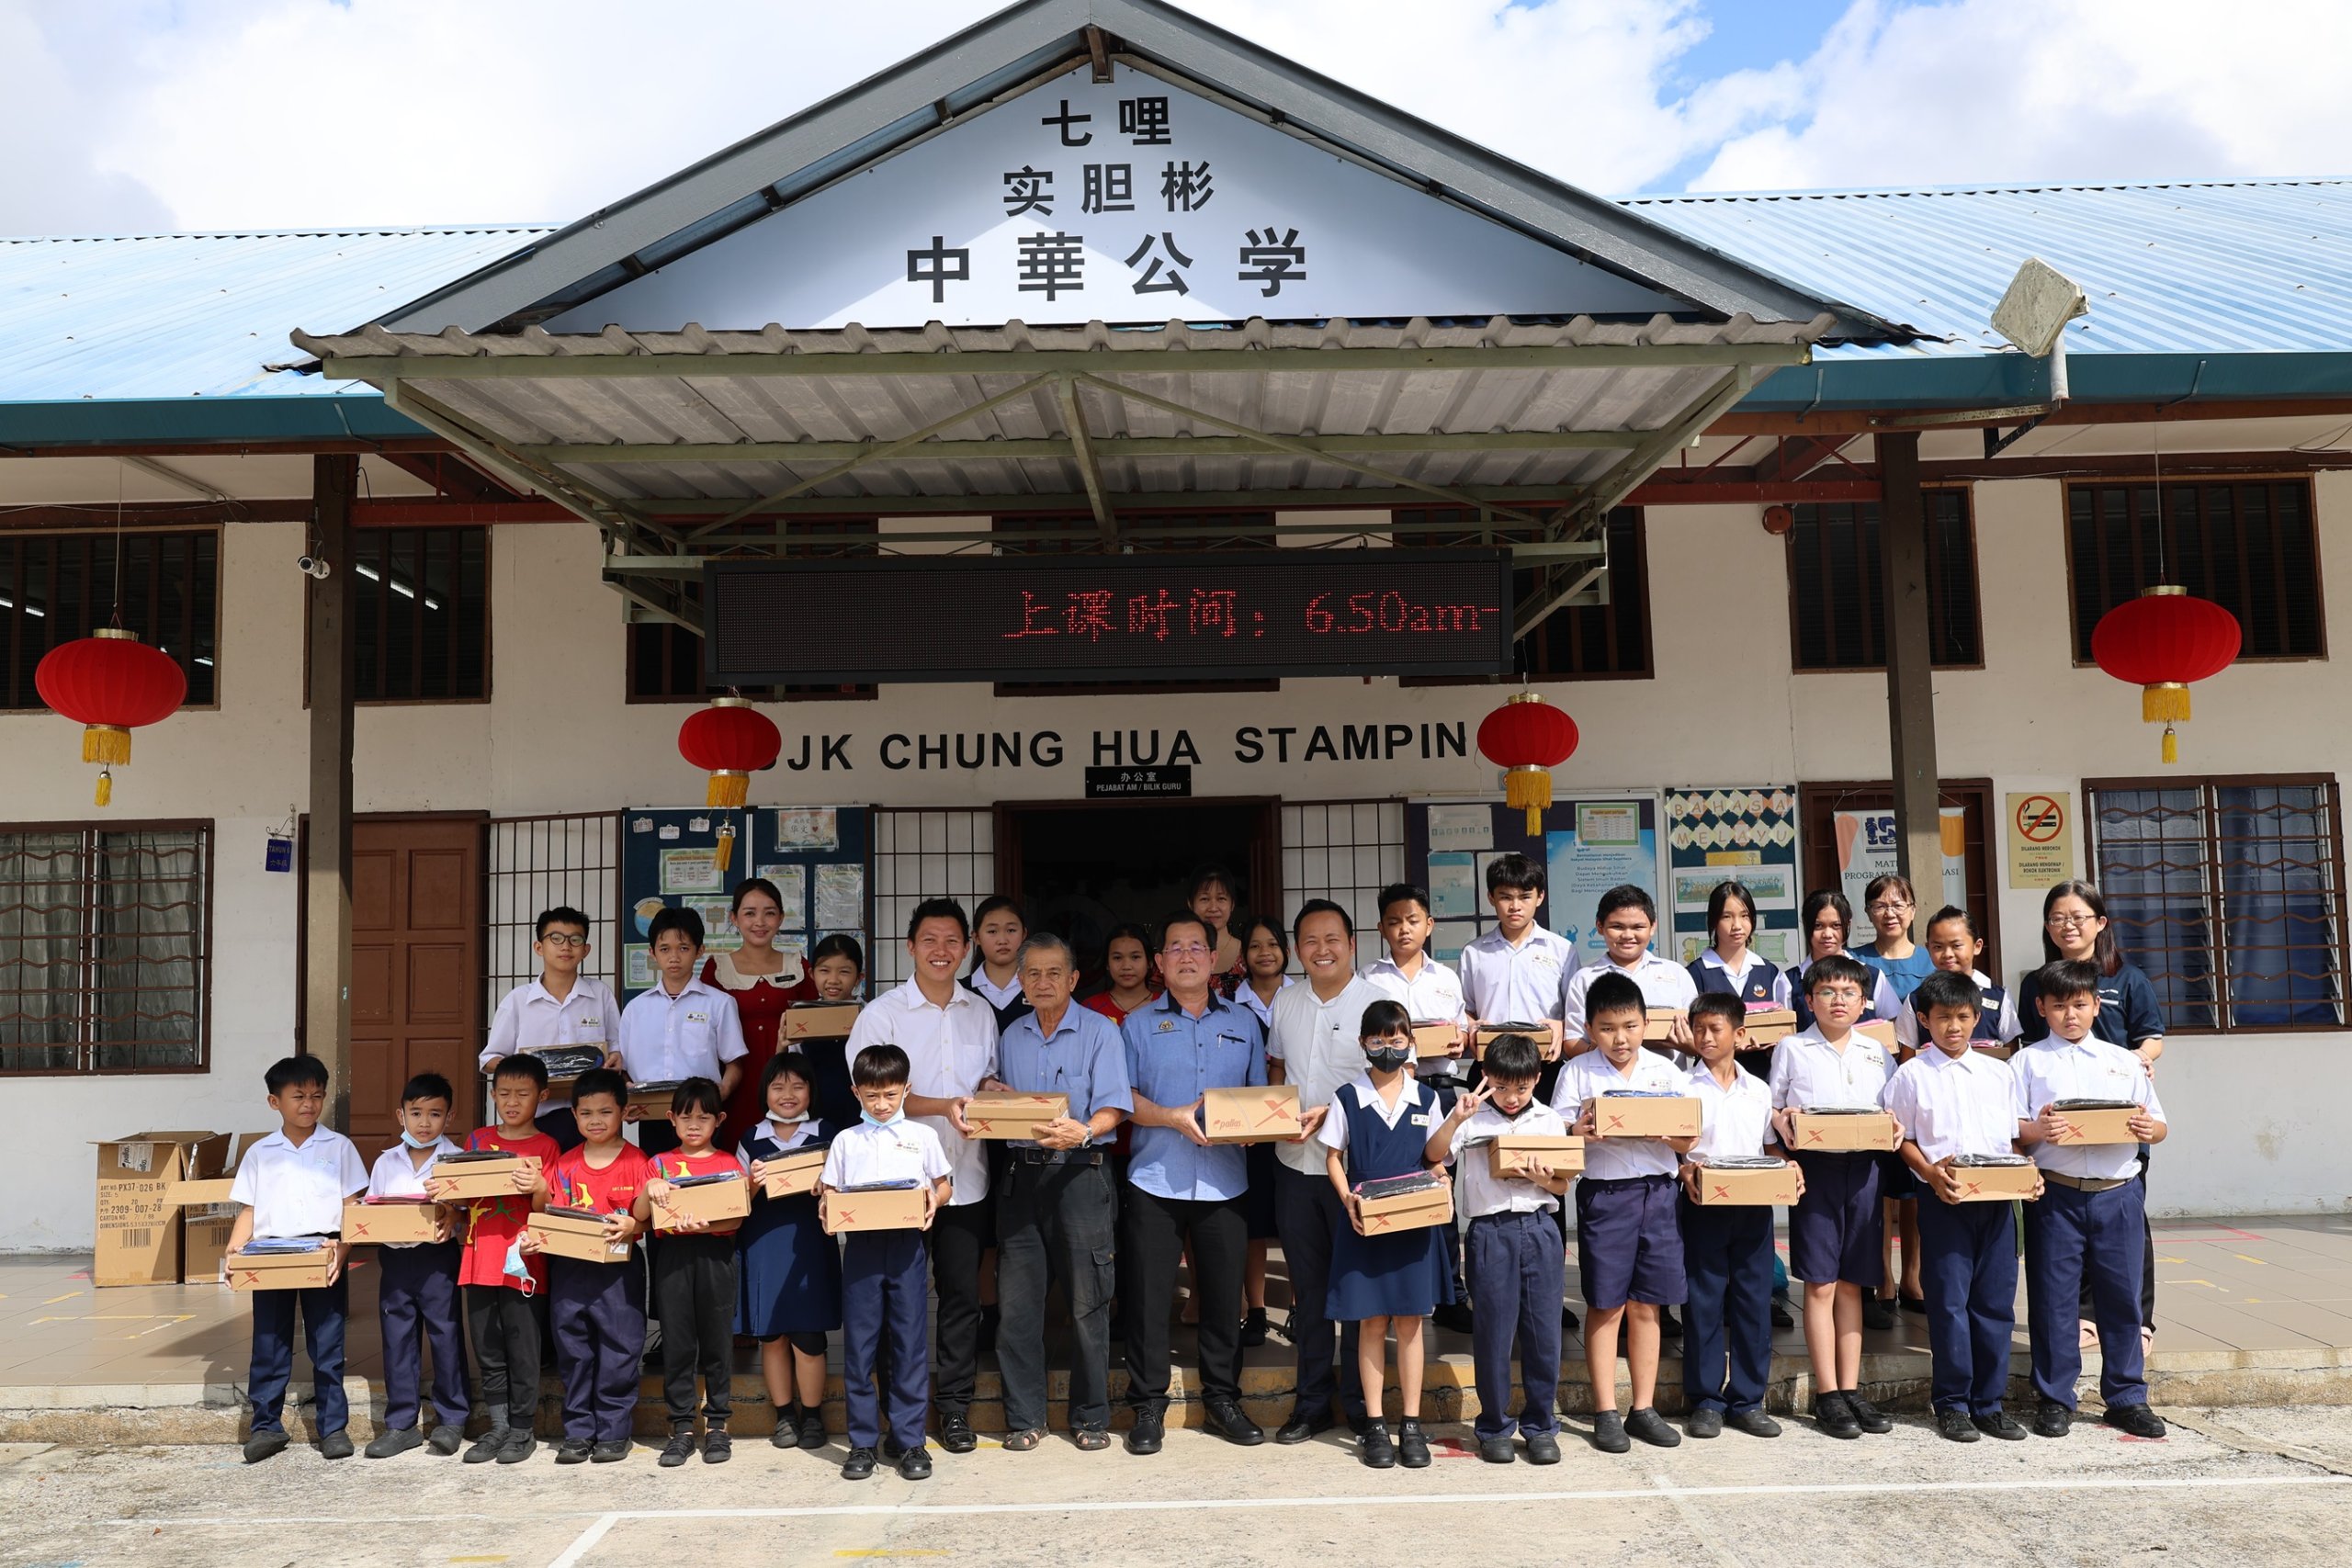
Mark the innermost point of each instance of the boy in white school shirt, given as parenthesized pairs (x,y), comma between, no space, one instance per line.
(562,1007)
(1626,918)
(681,1028)
(416,1291)
(292,1184)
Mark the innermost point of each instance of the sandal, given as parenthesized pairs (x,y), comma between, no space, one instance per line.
(1090,1441)
(1022,1442)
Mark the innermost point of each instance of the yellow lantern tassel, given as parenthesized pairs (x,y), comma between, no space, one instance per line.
(2172,745)
(105,786)
(726,854)
(729,788)
(2165,703)
(1529,790)
(108,743)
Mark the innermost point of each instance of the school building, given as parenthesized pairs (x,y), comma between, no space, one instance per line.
(1105,447)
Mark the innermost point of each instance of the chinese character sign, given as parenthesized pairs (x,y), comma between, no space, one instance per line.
(1130,200)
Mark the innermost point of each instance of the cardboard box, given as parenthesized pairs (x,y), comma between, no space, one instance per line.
(880,1209)
(790,1175)
(2099,1126)
(1996,1183)
(137,1224)
(1489,1032)
(819,1021)
(1006,1116)
(1251,1115)
(2000,1052)
(1733,1187)
(1770,1026)
(280,1270)
(455,1180)
(1408,1211)
(1878,1029)
(716,1204)
(1645,1116)
(199,1194)
(1660,1025)
(368,1224)
(204,1242)
(564,1234)
(1825,1133)
(1534,1154)
(1434,1038)
(653,1099)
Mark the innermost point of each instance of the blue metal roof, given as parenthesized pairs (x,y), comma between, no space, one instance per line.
(2179,277)
(138,333)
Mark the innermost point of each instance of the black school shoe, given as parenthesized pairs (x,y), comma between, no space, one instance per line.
(1302,1429)
(1498,1450)
(1374,1448)
(486,1447)
(1780,1315)
(446,1439)
(1609,1433)
(1878,1312)
(1835,1417)
(519,1444)
(398,1441)
(718,1448)
(573,1451)
(1999,1425)
(812,1429)
(2051,1419)
(915,1464)
(1868,1417)
(1145,1436)
(955,1434)
(859,1465)
(678,1449)
(1412,1447)
(1706,1421)
(1755,1423)
(1253,1328)
(788,1428)
(335,1445)
(1650,1426)
(1453,1317)
(1226,1418)
(1953,1426)
(1568,1318)
(1542,1448)
(2134,1420)
(264,1445)
(612,1450)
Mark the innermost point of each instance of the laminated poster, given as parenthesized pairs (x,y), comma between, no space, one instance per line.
(637,966)
(792,889)
(1450,937)
(1453,887)
(719,932)
(841,896)
(1460,828)
(692,870)
(805,829)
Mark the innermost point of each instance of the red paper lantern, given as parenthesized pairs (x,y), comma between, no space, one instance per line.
(111,684)
(2160,642)
(1530,738)
(730,741)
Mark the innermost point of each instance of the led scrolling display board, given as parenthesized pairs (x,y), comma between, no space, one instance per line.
(1235,615)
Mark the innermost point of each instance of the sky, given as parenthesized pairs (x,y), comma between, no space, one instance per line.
(145,116)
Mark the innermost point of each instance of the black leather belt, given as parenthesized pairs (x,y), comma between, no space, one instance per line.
(1056,1156)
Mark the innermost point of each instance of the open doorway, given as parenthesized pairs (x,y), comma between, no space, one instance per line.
(1077,869)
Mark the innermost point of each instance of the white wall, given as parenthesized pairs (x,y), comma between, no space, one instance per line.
(1723,709)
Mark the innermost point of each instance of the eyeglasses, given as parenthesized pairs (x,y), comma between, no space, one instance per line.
(1185,950)
(2072,922)
(1885,906)
(1841,993)
(563,938)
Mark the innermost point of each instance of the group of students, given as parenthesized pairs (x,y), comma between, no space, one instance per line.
(1109,1198)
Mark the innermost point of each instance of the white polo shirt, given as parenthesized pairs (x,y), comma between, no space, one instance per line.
(1434,996)
(530,1019)
(1503,983)
(1477,1190)
(395,1176)
(1732,1121)
(299,1191)
(906,1149)
(2049,1070)
(1320,1047)
(690,1035)
(1663,985)
(1808,1073)
(952,1050)
(1948,1105)
(1590,1076)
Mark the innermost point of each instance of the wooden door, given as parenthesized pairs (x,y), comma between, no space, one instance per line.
(416,967)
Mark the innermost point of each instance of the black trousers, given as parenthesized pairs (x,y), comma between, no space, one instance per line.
(693,1281)
(958,1235)
(1158,1230)
(506,1349)
(1055,1221)
(1308,1213)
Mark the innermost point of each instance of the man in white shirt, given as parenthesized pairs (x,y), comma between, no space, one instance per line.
(291,1184)
(1317,1045)
(949,1033)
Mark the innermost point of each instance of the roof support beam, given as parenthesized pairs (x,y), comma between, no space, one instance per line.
(1621,480)
(1104,446)
(1089,473)
(1370,496)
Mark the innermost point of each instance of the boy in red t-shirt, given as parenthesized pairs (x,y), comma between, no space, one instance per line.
(597,1311)
(498,1283)
(693,1280)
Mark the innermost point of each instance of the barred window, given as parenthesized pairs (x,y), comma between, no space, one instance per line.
(57,587)
(1837,585)
(1575,642)
(2252,548)
(2230,894)
(420,613)
(104,948)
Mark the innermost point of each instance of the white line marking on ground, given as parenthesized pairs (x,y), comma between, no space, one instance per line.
(586,1541)
(605,1522)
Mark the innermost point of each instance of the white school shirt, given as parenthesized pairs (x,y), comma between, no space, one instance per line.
(1502,983)
(1734,1121)
(1320,1047)
(1737,983)
(1883,1001)
(905,1150)
(952,1051)
(1476,1190)
(1810,1074)
(999,997)
(530,1019)
(690,1035)
(299,1191)
(1954,1105)
(1908,1033)
(395,1177)
(1434,996)
(1590,1076)
(2050,1069)
(1663,985)
(1245,995)
(1414,1098)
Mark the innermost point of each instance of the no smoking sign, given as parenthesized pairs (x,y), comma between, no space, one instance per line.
(2041,840)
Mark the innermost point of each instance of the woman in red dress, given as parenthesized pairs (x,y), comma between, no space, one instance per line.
(763,982)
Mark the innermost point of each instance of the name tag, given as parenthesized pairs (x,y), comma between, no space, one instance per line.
(1421,1118)
(698,1017)
(589,1027)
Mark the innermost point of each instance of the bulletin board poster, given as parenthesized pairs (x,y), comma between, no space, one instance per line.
(1592,844)
(1867,848)
(1448,846)
(814,854)
(1744,835)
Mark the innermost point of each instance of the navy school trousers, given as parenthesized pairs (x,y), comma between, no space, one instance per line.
(885,1275)
(2072,1238)
(416,1304)
(1968,1271)
(1727,1255)
(1517,1269)
(322,1312)
(596,1312)
(1308,1216)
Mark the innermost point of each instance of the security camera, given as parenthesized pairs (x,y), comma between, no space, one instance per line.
(313,565)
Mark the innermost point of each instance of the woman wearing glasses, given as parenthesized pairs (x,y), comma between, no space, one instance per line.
(2074,927)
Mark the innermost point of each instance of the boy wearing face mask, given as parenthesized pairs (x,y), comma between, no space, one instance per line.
(500,1283)
(416,1301)
(1514,1258)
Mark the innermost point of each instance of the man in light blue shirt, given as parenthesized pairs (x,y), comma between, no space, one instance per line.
(1181,1189)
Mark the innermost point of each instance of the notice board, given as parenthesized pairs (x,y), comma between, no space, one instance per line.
(814,854)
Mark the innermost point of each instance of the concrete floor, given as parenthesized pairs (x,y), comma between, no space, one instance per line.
(2268,1486)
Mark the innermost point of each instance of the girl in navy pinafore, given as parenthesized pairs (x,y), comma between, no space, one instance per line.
(791,1274)
(1379,1127)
